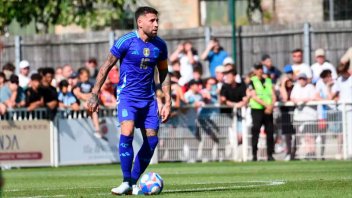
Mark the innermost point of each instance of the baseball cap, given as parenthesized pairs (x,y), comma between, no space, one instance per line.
(319,52)
(74,75)
(288,69)
(219,68)
(302,76)
(24,64)
(228,60)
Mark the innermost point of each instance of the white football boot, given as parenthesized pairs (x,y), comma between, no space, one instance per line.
(136,190)
(123,189)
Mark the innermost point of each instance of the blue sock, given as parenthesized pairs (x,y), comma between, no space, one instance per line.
(126,156)
(144,156)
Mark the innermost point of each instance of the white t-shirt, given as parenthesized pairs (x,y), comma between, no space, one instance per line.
(302,68)
(186,69)
(23,81)
(304,113)
(318,68)
(344,88)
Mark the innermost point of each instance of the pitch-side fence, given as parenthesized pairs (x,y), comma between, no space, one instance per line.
(317,130)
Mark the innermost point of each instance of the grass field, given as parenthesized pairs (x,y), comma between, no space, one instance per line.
(227,179)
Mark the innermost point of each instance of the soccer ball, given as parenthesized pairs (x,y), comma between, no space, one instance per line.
(151,183)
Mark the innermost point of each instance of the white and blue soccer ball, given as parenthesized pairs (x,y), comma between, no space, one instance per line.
(151,183)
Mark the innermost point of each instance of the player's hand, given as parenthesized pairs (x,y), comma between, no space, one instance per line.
(93,103)
(165,113)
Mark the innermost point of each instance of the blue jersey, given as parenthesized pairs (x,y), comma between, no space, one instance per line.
(137,63)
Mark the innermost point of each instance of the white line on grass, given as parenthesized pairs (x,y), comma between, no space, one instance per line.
(252,184)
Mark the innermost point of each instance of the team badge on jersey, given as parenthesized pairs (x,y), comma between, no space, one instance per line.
(146,52)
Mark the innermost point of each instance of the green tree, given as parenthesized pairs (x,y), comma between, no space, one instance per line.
(94,14)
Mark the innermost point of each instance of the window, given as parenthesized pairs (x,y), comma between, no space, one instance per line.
(337,10)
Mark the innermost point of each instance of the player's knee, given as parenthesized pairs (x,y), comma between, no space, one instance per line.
(127,128)
(151,132)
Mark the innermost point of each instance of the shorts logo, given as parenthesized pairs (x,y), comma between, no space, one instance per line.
(146,52)
(124,113)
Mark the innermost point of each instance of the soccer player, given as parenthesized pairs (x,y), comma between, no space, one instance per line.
(139,52)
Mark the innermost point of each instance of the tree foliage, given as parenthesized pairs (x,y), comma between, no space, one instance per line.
(85,13)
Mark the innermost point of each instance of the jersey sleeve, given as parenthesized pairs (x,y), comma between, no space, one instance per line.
(120,47)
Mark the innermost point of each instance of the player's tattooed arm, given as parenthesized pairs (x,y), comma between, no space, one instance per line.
(103,73)
(166,88)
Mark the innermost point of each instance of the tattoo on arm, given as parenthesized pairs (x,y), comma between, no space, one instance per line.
(165,85)
(103,72)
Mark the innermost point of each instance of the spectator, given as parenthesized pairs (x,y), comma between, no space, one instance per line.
(261,92)
(215,54)
(8,69)
(24,74)
(287,127)
(4,94)
(289,72)
(92,66)
(269,69)
(320,65)
(177,96)
(347,59)
(188,59)
(107,96)
(66,98)
(298,66)
(34,94)
(233,94)
(210,93)
(58,77)
(67,71)
(18,94)
(305,115)
(82,92)
(50,96)
(229,64)
(175,66)
(343,90)
(114,77)
(72,81)
(193,96)
(219,76)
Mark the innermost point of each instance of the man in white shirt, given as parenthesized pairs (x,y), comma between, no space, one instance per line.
(320,65)
(24,74)
(298,66)
(343,90)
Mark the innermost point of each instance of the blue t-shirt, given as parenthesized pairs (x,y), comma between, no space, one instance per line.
(137,63)
(216,59)
(68,99)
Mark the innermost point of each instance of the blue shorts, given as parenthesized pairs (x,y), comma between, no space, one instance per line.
(143,113)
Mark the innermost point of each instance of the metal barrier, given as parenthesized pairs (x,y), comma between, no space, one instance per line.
(209,133)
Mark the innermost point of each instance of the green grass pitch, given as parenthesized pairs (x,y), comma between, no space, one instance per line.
(226,179)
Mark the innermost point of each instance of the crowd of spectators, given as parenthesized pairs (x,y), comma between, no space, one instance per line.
(63,87)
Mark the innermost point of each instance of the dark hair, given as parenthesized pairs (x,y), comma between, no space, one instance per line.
(231,71)
(36,77)
(63,83)
(214,39)
(343,68)
(9,66)
(297,50)
(48,70)
(2,75)
(212,78)
(92,60)
(144,10)
(82,70)
(325,73)
(14,79)
(265,56)
(40,70)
